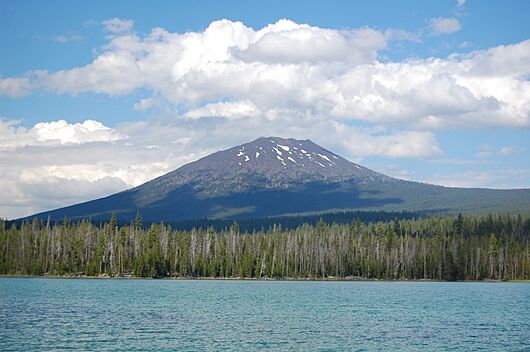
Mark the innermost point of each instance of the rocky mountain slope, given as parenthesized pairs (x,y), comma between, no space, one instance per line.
(274,176)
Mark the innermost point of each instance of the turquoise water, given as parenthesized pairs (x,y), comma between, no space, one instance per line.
(88,314)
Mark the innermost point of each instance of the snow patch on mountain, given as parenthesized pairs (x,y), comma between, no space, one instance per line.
(324,157)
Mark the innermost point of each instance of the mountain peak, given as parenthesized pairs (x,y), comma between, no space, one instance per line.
(285,151)
(267,163)
(281,160)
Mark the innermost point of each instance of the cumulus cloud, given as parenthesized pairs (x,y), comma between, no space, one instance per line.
(288,42)
(229,110)
(302,70)
(63,132)
(30,195)
(56,132)
(442,25)
(56,164)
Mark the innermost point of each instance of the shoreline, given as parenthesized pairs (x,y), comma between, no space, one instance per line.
(327,279)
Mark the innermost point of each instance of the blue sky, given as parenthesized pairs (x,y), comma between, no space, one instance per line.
(99,97)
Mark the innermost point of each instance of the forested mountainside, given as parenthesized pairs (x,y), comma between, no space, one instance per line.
(435,248)
(273,177)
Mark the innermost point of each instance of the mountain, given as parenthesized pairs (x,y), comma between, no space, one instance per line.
(273,176)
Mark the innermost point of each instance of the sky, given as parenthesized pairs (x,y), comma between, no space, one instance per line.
(99,97)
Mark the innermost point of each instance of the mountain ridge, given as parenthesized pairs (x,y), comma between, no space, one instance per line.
(273,176)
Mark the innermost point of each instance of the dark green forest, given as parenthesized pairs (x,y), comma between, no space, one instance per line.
(291,222)
(256,224)
(433,248)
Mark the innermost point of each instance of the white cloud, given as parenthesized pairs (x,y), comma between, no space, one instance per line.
(461,2)
(237,109)
(118,26)
(395,145)
(303,70)
(442,25)
(56,164)
(63,132)
(15,86)
(55,132)
(288,42)
(30,195)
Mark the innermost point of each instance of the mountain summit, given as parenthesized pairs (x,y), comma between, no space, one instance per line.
(272,176)
(266,163)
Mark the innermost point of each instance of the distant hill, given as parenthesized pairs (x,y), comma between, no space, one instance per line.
(272,177)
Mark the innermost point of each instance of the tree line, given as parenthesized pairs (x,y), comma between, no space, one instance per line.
(292,222)
(287,222)
(434,248)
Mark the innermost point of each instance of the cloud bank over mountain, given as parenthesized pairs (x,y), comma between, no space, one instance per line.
(230,83)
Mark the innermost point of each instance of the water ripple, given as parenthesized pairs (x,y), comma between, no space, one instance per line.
(145,315)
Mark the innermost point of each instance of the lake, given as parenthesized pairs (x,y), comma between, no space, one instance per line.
(92,314)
